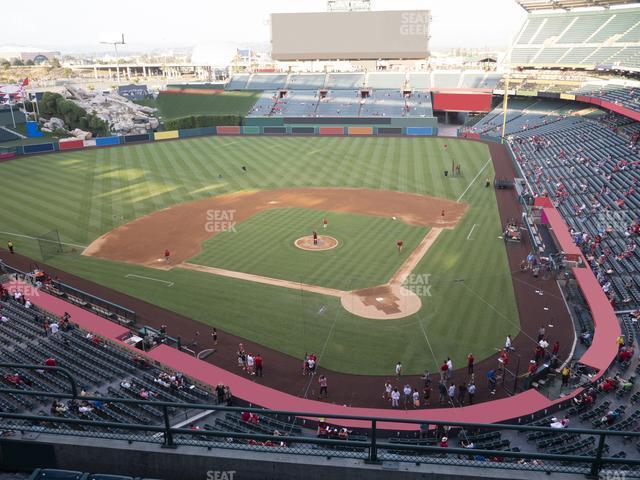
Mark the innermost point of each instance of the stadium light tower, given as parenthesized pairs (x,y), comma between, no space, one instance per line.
(348,5)
(115,44)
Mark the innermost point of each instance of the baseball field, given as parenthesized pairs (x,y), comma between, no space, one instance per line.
(232,232)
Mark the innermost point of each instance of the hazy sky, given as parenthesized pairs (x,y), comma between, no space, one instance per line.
(74,25)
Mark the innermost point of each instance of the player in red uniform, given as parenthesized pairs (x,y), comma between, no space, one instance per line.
(167,256)
(399,244)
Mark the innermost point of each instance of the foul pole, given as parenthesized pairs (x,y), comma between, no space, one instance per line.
(505,104)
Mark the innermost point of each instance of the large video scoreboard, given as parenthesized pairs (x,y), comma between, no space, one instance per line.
(350,35)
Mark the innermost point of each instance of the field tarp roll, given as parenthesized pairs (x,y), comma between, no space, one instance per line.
(196,132)
(136,138)
(227,130)
(331,131)
(360,130)
(107,141)
(70,144)
(274,130)
(251,130)
(39,148)
(422,131)
(170,134)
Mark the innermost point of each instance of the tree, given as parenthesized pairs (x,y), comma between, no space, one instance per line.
(30,63)
(54,63)
(17,62)
(5,63)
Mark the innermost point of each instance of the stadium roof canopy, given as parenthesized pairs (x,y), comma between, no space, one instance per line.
(535,5)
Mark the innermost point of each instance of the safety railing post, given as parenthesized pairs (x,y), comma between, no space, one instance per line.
(596,465)
(168,436)
(373,446)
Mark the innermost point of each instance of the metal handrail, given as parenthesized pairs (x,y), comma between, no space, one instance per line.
(372,444)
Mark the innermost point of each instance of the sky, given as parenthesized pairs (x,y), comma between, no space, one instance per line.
(78,25)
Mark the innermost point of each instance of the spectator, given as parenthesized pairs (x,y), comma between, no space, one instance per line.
(566,374)
(258,364)
(395,398)
(471,390)
(322,381)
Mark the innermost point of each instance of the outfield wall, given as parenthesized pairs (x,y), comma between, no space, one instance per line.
(299,126)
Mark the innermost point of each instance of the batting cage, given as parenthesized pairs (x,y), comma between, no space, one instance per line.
(50,245)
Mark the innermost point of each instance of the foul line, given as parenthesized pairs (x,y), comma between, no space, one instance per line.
(132,275)
(472,181)
(472,228)
(42,239)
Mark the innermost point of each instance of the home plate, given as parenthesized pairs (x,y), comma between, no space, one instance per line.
(380,299)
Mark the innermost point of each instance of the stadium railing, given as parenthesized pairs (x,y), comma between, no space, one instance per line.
(372,443)
(100,306)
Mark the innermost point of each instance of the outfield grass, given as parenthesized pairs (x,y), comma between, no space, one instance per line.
(87,193)
(264,245)
(176,105)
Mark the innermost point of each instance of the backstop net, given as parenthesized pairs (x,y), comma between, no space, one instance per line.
(50,245)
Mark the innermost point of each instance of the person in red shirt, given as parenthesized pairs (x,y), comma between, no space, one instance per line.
(556,348)
(444,443)
(399,245)
(167,256)
(470,361)
(50,362)
(257,362)
(444,368)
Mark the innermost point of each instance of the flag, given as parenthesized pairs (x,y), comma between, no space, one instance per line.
(25,82)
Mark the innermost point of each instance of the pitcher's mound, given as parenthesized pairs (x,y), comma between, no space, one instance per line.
(324,243)
(385,302)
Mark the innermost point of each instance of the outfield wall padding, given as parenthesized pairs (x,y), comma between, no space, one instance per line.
(263,121)
(39,148)
(360,131)
(71,144)
(331,131)
(107,141)
(303,130)
(168,135)
(7,155)
(89,143)
(136,138)
(419,131)
(228,130)
(251,130)
(274,130)
(196,132)
(389,131)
